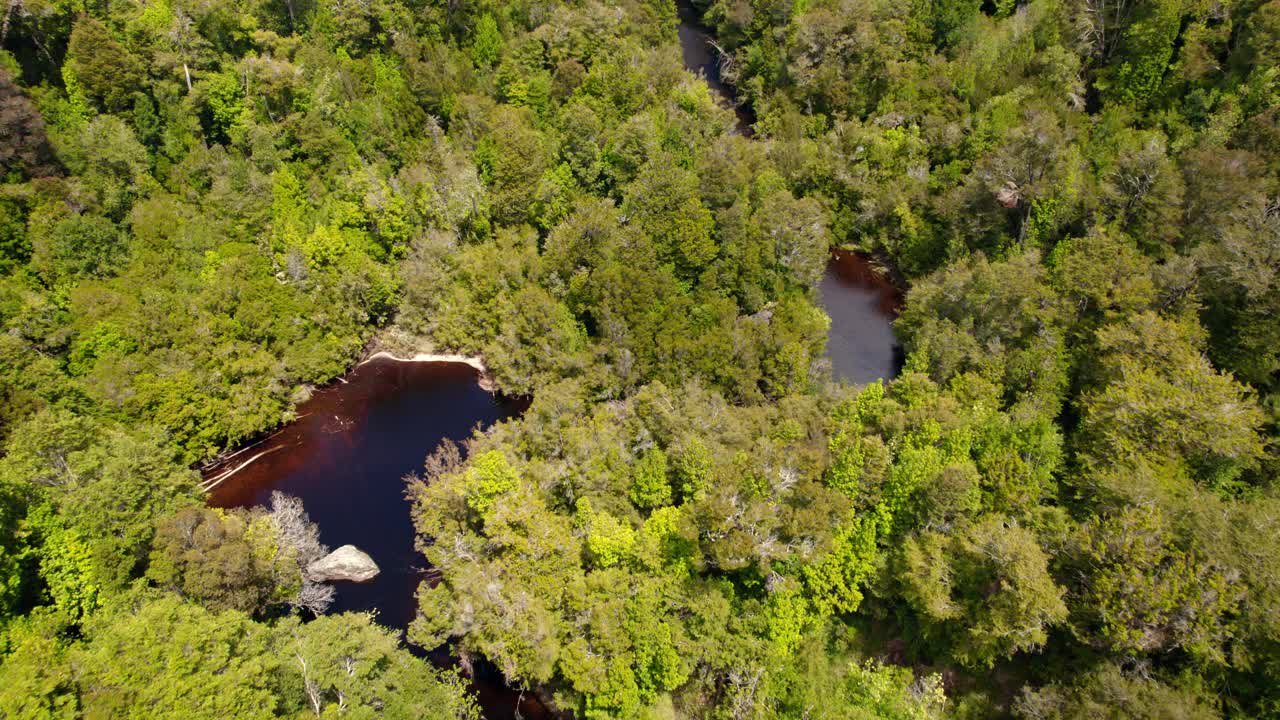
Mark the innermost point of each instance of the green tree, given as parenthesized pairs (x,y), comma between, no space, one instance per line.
(37,681)
(997,319)
(1110,693)
(663,201)
(1159,396)
(164,658)
(223,560)
(348,664)
(78,246)
(107,487)
(105,69)
(487,45)
(986,586)
(1143,52)
(651,488)
(1144,594)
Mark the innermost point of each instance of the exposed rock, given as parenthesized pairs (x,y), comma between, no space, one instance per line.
(348,563)
(1009,195)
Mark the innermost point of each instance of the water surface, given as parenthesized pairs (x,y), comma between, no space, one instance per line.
(346,457)
(862,304)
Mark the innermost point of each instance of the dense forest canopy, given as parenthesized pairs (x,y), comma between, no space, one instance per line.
(1064,507)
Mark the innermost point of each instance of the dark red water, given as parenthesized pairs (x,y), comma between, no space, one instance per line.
(346,456)
(862,303)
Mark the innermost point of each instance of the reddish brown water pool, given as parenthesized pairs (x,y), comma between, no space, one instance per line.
(346,457)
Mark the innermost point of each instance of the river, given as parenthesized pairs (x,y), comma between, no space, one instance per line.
(354,441)
(861,302)
(697,48)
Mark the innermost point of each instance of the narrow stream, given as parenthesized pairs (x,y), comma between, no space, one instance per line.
(861,302)
(697,47)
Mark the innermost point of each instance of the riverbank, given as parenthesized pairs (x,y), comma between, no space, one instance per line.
(485,380)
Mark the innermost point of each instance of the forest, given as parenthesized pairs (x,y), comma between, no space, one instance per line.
(1065,506)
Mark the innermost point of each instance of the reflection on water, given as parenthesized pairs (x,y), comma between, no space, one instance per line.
(346,457)
(862,304)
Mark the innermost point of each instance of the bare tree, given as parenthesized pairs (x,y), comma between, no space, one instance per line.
(24,146)
(300,537)
(314,596)
(1101,23)
(445,459)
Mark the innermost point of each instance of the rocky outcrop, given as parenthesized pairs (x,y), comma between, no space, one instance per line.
(1009,196)
(348,563)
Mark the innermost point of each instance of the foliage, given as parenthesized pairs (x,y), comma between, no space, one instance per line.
(155,656)
(1064,504)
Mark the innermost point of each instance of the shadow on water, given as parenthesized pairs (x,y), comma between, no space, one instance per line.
(862,303)
(346,456)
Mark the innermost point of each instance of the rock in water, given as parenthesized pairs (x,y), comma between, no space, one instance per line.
(346,563)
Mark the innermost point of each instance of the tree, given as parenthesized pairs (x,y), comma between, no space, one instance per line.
(1143,52)
(1033,170)
(152,655)
(161,657)
(872,690)
(221,560)
(36,677)
(1220,183)
(298,538)
(651,488)
(348,664)
(1159,396)
(13,554)
(106,487)
(1241,278)
(1141,190)
(487,45)
(1143,593)
(78,246)
(998,319)
(664,203)
(987,586)
(512,159)
(107,71)
(1110,693)
(797,229)
(245,560)
(114,169)
(1102,277)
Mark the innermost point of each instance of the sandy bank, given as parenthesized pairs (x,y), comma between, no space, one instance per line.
(486,381)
